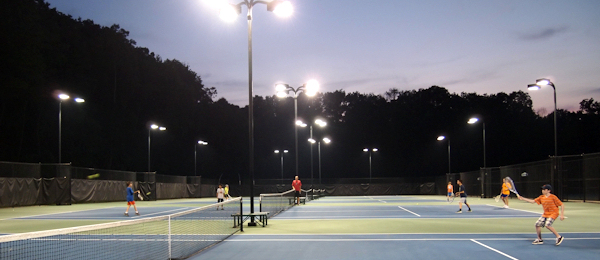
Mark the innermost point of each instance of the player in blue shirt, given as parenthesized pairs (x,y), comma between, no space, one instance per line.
(463,196)
(130,200)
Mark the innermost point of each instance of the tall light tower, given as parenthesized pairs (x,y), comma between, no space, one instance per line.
(229,12)
(283,90)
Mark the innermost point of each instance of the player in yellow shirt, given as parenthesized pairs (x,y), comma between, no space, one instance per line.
(227,197)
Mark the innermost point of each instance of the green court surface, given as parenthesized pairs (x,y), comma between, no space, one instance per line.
(38,218)
(581,217)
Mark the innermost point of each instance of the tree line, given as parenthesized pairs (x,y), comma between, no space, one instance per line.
(128,87)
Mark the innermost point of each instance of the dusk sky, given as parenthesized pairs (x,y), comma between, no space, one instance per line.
(480,46)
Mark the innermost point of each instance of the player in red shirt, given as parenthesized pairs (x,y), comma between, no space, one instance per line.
(297,185)
(551,204)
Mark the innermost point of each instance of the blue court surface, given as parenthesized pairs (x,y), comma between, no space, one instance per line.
(406,211)
(404,246)
(112,213)
(280,240)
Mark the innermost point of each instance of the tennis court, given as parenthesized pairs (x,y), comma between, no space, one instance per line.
(413,227)
(352,227)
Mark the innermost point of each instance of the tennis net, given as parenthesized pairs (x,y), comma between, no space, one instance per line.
(274,203)
(173,236)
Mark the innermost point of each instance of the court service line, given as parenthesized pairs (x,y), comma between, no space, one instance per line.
(160,212)
(56,213)
(529,211)
(493,249)
(409,211)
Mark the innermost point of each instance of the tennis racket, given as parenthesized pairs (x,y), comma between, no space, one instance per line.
(140,195)
(451,199)
(511,186)
(497,198)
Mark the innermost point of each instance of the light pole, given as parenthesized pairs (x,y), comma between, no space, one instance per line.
(318,122)
(284,151)
(62,97)
(370,152)
(153,127)
(283,90)
(312,141)
(195,153)
(440,138)
(229,12)
(538,84)
(474,120)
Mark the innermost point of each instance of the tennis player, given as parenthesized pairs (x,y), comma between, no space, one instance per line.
(220,194)
(463,196)
(297,186)
(450,191)
(505,192)
(130,200)
(550,203)
(226,194)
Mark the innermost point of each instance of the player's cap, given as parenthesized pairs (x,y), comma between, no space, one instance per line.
(546,187)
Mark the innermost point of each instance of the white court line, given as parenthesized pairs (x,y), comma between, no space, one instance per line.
(409,211)
(160,212)
(493,249)
(344,217)
(72,211)
(516,209)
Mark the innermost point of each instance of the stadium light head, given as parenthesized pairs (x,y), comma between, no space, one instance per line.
(79,100)
(276,151)
(326,140)
(153,126)
(63,96)
(441,137)
(375,149)
(311,87)
(280,8)
(229,12)
(533,87)
(162,128)
(473,120)
(543,82)
(312,141)
(320,123)
(365,150)
(202,142)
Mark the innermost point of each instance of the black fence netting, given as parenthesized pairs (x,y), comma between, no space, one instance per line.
(28,191)
(574,177)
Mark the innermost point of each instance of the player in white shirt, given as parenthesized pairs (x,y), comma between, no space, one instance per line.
(220,196)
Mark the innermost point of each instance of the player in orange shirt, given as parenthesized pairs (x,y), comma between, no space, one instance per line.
(550,203)
(450,191)
(505,192)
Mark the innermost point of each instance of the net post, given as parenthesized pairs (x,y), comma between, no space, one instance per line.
(241,215)
(169,237)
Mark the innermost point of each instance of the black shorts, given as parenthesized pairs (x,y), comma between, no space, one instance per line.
(219,200)
(297,194)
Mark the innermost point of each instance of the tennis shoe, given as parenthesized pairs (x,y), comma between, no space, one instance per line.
(126,214)
(460,211)
(470,210)
(538,242)
(137,213)
(559,240)
(505,206)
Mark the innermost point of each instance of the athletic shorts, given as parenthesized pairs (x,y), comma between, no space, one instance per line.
(504,195)
(219,200)
(450,194)
(463,199)
(544,222)
(131,203)
(297,194)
